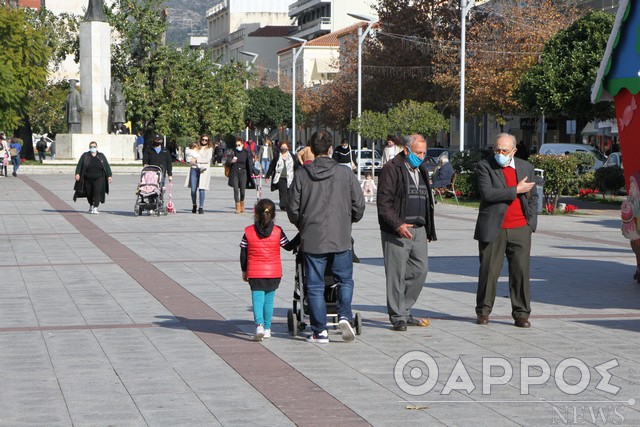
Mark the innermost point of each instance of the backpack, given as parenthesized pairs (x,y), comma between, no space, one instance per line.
(41,145)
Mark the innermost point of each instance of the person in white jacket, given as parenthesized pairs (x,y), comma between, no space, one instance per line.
(199,157)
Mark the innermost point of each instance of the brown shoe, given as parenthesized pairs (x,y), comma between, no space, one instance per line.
(238,209)
(242,207)
(521,322)
(482,320)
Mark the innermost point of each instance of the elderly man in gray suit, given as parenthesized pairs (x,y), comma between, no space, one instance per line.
(506,219)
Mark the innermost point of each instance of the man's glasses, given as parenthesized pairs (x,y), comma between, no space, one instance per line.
(502,150)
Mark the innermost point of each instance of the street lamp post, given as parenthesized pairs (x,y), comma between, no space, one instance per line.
(361,36)
(246,84)
(295,55)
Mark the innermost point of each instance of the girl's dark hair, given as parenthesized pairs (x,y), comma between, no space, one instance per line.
(265,212)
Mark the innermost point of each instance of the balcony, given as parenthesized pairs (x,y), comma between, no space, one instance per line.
(238,34)
(303,5)
(315,27)
(217,7)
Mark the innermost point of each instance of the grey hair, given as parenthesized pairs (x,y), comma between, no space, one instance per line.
(409,139)
(507,135)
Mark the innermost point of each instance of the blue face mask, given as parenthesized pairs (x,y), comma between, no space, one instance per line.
(93,149)
(239,148)
(413,160)
(502,159)
(157,149)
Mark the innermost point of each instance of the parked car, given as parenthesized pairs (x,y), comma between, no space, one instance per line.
(435,152)
(614,159)
(368,159)
(562,149)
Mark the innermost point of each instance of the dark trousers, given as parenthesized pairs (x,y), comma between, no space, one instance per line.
(283,194)
(93,190)
(515,243)
(42,156)
(239,185)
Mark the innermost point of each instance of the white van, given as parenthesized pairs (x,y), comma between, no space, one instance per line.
(561,149)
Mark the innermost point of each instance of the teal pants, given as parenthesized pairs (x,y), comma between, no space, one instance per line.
(263,307)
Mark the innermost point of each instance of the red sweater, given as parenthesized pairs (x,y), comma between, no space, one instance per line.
(514,218)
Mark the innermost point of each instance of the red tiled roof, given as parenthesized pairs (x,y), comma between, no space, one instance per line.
(331,39)
(272,31)
(30,3)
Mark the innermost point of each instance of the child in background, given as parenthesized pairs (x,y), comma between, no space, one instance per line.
(368,187)
(261,265)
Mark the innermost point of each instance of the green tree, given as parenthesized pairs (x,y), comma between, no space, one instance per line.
(173,90)
(269,108)
(406,118)
(559,173)
(416,117)
(195,96)
(46,113)
(560,82)
(371,125)
(24,58)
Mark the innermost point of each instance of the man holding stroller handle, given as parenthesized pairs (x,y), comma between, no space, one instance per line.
(157,155)
(324,200)
(405,215)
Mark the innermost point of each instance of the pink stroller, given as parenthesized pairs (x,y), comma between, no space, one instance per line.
(150,192)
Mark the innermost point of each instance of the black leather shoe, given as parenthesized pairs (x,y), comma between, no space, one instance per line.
(200,211)
(400,325)
(194,209)
(482,320)
(521,322)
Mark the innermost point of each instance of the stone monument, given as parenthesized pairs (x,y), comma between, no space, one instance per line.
(97,95)
(95,68)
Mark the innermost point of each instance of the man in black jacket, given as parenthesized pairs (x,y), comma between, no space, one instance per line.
(157,155)
(405,215)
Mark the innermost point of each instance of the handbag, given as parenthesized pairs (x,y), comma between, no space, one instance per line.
(13,152)
(227,170)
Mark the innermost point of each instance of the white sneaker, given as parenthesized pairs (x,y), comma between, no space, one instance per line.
(346,329)
(267,333)
(259,333)
(321,338)
(90,209)
(95,211)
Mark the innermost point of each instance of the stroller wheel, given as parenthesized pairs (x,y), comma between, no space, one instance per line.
(292,323)
(358,324)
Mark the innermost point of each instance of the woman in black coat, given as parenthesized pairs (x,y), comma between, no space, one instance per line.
(93,176)
(241,167)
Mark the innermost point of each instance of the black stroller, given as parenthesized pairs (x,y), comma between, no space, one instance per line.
(296,317)
(150,192)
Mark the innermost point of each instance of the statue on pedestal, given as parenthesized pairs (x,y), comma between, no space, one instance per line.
(117,104)
(95,11)
(73,107)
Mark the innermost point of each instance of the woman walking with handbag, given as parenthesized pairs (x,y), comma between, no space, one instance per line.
(14,151)
(240,165)
(93,176)
(281,170)
(199,157)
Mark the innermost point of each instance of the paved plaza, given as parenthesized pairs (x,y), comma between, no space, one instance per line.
(117,320)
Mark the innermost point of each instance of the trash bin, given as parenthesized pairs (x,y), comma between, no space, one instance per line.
(539,180)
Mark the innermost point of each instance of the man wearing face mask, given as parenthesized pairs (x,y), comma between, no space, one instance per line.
(157,155)
(507,216)
(405,215)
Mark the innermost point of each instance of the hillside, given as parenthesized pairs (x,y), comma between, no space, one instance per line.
(186,17)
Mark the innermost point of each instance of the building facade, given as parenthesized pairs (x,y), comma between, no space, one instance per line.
(315,18)
(229,23)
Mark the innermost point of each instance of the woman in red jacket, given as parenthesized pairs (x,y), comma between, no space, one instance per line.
(261,265)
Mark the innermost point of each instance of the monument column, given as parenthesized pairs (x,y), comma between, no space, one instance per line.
(95,75)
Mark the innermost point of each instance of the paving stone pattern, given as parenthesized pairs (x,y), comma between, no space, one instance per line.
(117,320)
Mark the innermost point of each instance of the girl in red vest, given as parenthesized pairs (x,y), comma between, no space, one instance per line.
(261,265)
